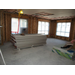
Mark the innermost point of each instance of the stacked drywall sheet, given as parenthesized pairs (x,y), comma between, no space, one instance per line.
(28,40)
(63,52)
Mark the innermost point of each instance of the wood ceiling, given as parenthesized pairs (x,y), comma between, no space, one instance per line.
(9,10)
(52,14)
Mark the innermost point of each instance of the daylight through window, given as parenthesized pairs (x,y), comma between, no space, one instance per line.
(43,27)
(63,29)
(17,25)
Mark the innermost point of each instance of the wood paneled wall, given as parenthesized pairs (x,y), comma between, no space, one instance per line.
(34,25)
(2,28)
(61,37)
(72,32)
(53,29)
(23,17)
(32,22)
(30,25)
(5,21)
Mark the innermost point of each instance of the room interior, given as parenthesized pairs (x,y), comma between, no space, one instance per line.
(33,17)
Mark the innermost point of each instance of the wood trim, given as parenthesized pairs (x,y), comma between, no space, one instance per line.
(44,20)
(9,22)
(28,25)
(49,28)
(2,28)
(72,33)
(53,29)
(6,28)
(36,26)
(64,20)
(21,16)
(63,38)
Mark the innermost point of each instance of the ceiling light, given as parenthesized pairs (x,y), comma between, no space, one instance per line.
(21,12)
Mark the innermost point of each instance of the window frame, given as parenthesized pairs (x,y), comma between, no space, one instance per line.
(44,27)
(18,31)
(65,28)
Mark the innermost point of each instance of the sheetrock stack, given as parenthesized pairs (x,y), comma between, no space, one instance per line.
(28,40)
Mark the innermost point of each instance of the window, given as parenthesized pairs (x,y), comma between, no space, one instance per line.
(63,29)
(14,25)
(43,28)
(23,23)
(17,24)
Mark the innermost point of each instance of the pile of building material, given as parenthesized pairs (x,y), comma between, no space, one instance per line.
(28,40)
(70,54)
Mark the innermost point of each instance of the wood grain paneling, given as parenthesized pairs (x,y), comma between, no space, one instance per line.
(2,28)
(21,16)
(5,21)
(64,20)
(34,25)
(58,37)
(8,26)
(49,29)
(62,38)
(72,32)
(53,29)
(24,17)
(30,25)
(45,20)
(68,39)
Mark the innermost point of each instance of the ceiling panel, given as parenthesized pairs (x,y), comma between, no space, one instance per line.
(58,13)
(45,13)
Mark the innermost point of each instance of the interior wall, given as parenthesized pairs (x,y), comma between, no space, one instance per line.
(33,21)
(32,26)
(7,27)
(53,27)
(22,17)
(2,28)
(72,33)
(0,35)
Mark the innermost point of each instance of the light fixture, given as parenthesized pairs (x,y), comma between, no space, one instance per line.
(21,12)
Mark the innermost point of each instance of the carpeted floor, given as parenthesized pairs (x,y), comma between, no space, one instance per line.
(41,55)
